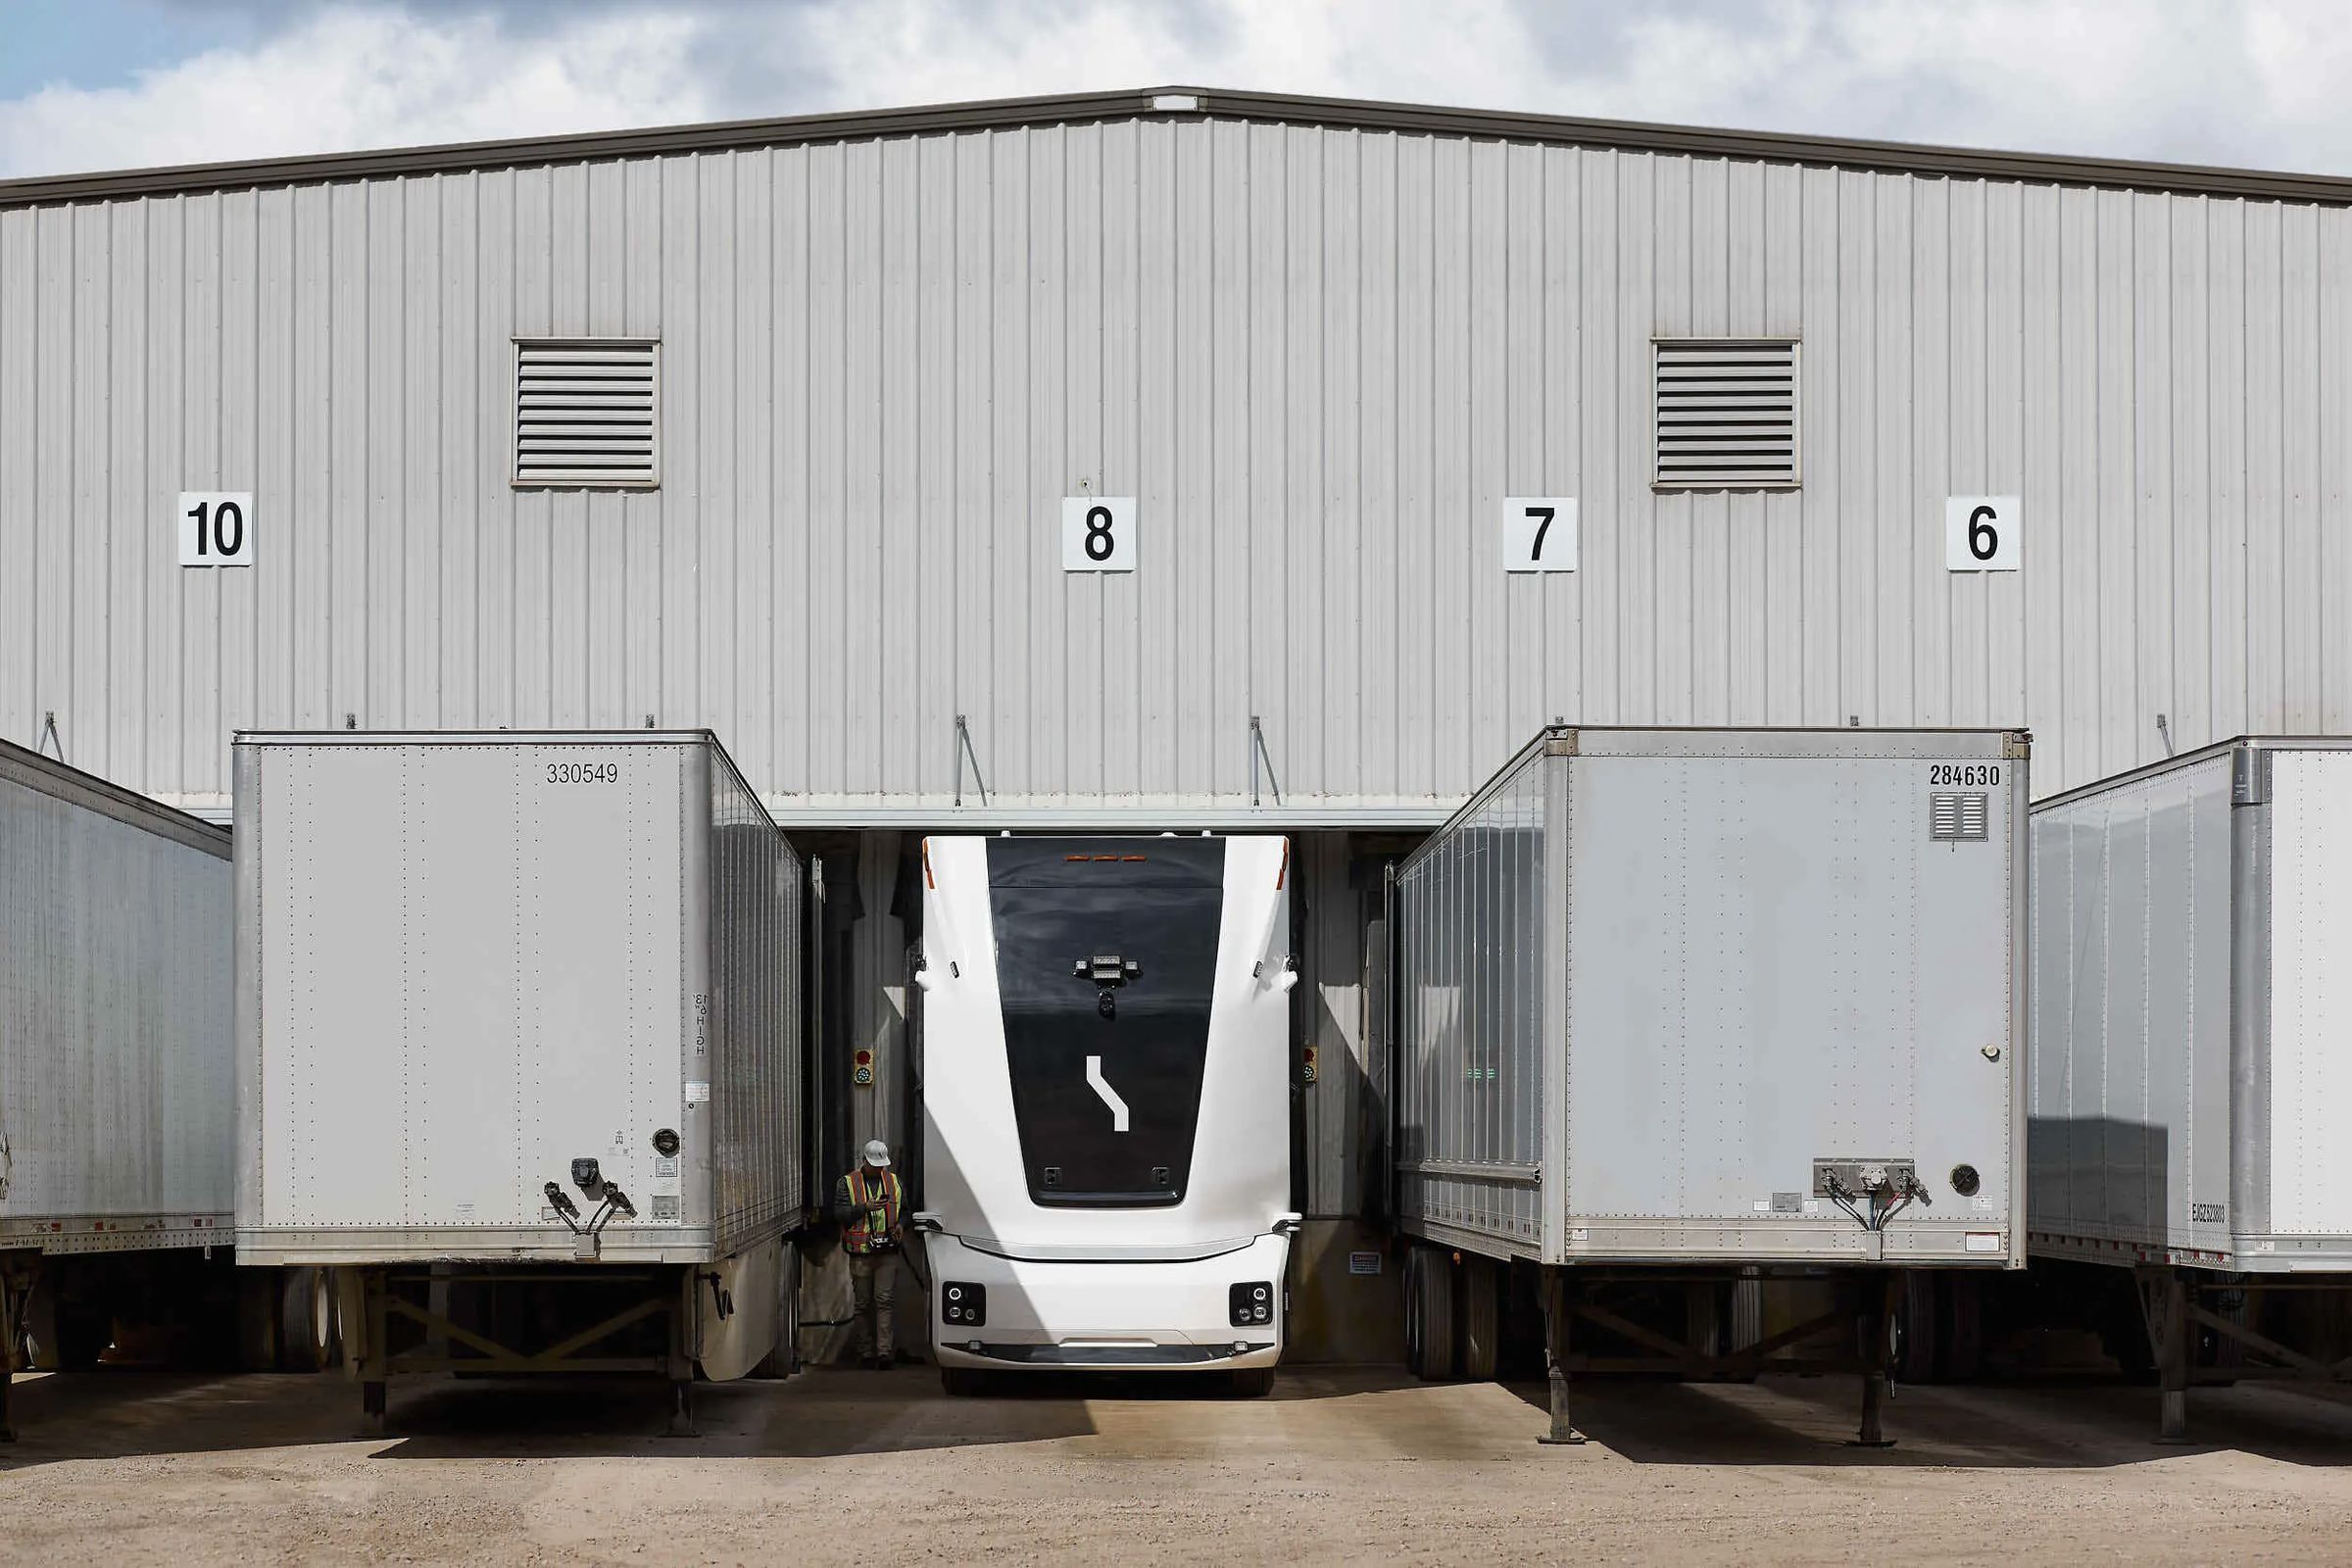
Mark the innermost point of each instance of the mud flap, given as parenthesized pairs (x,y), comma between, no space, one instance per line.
(736,1310)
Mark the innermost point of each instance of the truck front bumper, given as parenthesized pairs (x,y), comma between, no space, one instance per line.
(1109,1313)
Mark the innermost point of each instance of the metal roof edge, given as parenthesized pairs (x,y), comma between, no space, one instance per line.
(1181,103)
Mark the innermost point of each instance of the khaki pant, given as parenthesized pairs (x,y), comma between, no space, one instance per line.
(874,1288)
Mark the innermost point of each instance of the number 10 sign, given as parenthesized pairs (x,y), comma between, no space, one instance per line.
(215,528)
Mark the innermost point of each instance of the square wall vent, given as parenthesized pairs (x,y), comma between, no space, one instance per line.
(587,413)
(1727,414)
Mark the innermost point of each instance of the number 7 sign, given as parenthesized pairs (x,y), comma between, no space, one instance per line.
(1539,533)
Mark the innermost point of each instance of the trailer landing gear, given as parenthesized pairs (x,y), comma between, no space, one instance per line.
(1563,1433)
(14,1285)
(2180,1307)
(1879,1302)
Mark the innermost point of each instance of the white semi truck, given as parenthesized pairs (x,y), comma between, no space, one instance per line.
(1105,1160)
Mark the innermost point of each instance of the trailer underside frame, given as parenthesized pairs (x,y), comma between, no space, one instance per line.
(373,1299)
(1568,1299)
(2176,1308)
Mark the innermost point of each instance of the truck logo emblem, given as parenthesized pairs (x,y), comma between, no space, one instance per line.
(1110,1096)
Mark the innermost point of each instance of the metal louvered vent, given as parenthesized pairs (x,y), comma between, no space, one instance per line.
(1953,817)
(1727,412)
(586,411)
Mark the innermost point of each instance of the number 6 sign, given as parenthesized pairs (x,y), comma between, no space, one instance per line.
(1979,533)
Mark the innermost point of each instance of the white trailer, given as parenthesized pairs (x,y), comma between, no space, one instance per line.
(518,1045)
(2191,1089)
(116,1124)
(1107,1104)
(1675,1004)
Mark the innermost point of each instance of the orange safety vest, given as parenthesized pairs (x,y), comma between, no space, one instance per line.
(877,1207)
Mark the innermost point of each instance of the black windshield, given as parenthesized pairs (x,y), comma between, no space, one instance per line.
(1143,915)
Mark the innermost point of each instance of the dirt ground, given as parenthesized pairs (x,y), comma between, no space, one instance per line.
(1341,1464)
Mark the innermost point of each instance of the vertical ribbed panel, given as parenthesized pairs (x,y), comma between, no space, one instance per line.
(1319,359)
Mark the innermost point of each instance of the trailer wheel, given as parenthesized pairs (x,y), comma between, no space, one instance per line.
(1253,1381)
(1744,1320)
(2124,1332)
(306,1320)
(2225,1352)
(1964,1321)
(83,1332)
(1913,1330)
(1480,1320)
(1429,1314)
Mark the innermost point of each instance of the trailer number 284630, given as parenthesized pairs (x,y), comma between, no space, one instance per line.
(1965,776)
(583,772)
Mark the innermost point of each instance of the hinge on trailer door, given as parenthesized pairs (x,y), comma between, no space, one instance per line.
(2245,776)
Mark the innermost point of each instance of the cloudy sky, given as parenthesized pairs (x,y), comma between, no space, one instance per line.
(121,83)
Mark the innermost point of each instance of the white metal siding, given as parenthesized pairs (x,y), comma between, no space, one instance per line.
(2132,995)
(1318,358)
(115,1089)
(2310,995)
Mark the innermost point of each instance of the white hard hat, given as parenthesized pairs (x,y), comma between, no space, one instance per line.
(878,1153)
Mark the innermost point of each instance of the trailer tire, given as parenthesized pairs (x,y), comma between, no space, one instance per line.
(306,1320)
(1429,1314)
(1916,1351)
(1481,1323)
(83,1332)
(1253,1381)
(1964,1325)
(1743,1318)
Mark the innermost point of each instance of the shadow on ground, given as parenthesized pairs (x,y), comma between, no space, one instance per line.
(2071,1424)
(2075,1425)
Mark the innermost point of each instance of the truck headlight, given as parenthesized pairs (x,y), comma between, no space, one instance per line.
(965,1304)
(1251,1303)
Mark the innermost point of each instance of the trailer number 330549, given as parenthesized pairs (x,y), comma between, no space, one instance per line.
(1964,775)
(583,772)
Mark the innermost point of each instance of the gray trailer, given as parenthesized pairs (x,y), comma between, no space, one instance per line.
(2191,1089)
(1674,1008)
(117,1136)
(518,1047)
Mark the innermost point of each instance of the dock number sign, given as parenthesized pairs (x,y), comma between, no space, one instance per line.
(215,528)
(1980,533)
(1098,533)
(1539,533)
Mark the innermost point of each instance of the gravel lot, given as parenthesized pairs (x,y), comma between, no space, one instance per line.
(1340,1464)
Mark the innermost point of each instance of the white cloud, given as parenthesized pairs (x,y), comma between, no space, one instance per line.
(2199,81)
(354,78)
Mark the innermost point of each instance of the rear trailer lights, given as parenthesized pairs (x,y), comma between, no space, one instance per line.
(1251,1304)
(964,1303)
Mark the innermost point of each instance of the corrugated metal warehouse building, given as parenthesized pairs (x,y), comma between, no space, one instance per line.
(1328,370)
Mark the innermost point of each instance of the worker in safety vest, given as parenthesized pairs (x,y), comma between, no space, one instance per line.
(865,1204)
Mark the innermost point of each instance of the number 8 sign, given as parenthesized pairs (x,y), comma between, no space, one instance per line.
(1098,533)
(1980,533)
